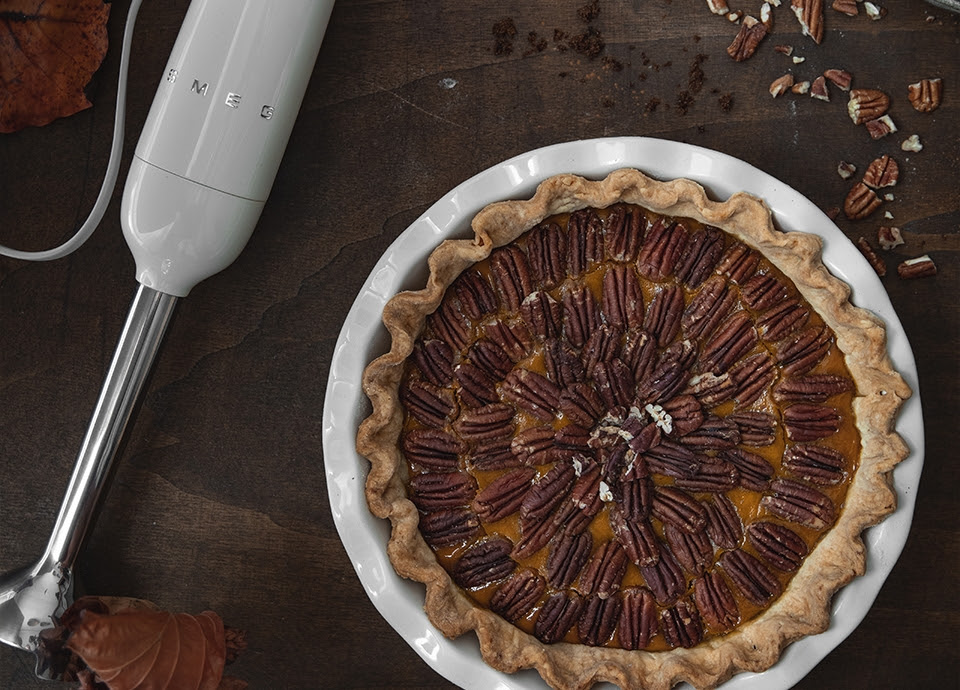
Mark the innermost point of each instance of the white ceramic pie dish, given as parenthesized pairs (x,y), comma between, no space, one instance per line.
(403,266)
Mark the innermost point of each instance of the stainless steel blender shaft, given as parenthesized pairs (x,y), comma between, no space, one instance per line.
(33,598)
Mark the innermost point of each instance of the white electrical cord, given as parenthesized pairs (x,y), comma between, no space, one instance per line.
(113,165)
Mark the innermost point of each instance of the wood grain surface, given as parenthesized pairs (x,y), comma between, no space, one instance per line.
(218,499)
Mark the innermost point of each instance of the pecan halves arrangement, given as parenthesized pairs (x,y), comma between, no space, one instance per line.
(623,421)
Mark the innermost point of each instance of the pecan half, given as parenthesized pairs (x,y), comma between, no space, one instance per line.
(677,507)
(714,434)
(638,618)
(783,319)
(662,248)
(449,324)
(584,241)
(712,390)
(745,43)
(762,291)
(598,620)
(751,377)
(723,522)
(558,614)
(666,380)
(814,388)
(815,464)
(754,580)
(623,233)
(686,414)
(428,404)
(636,495)
(665,578)
(622,297)
(534,446)
(732,340)
(710,306)
(603,345)
(486,423)
(567,558)
(547,493)
(547,251)
(920,267)
(503,496)
(861,201)
(581,403)
(738,262)
(536,534)
(432,448)
(756,428)
(681,625)
(839,78)
(490,357)
(882,172)
(847,7)
(810,15)
(604,570)
(753,471)
(639,353)
(493,454)
(867,104)
(448,526)
(483,563)
(925,95)
(476,295)
(584,501)
(614,383)
(715,601)
(510,272)
(713,474)
(562,363)
(778,545)
(435,490)
(672,459)
(581,315)
(533,392)
(513,338)
(543,314)
(637,537)
(871,256)
(799,503)
(701,256)
(434,359)
(516,597)
(803,351)
(477,387)
(807,422)
(692,549)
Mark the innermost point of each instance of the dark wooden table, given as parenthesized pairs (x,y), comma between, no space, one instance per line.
(218,499)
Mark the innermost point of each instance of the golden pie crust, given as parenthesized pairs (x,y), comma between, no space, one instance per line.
(838,556)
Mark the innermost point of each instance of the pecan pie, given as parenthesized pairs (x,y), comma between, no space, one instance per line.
(630,434)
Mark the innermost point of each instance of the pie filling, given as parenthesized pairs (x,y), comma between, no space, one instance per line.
(626,430)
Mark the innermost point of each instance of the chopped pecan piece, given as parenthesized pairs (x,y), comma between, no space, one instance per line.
(882,172)
(448,526)
(778,545)
(818,89)
(920,267)
(733,339)
(806,422)
(813,388)
(889,237)
(547,250)
(744,45)
(880,127)
(533,392)
(511,275)
(723,522)
(428,404)
(800,504)
(925,95)
(861,201)
(432,448)
(781,85)
(434,359)
(840,78)
(678,508)
(664,314)
(681,625)
(757,428)
(874,11)
(638,618)
(871,256)
(503,496)
(567,558)
(622,297)
(753,471)
(912,143)
(705,311)
(692,549)
(846,170)
(815,464)
(810,15)
(782,320)
(557,615)
(867,104)
(762,291)
(581,315)
(484,563)
(598,620)
(701,256)
(801,87)
(665,577)
(624,230)
(662,248)
(584,241)
(751,377)
(715,601)
(718,6)
(802,352)
(604,570)
(435,490)
(516,597)
(476,295)
(750,576)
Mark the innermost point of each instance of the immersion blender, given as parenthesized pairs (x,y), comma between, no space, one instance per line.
(203,167)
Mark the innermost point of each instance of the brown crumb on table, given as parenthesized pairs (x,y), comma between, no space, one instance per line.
(537,42)
(651,105)
(589,43)
(684,101)
(696,77)
(504,31)
(612,64)
(589,12)
(726,102)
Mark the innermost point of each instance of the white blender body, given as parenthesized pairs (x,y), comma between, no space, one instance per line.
(215,134)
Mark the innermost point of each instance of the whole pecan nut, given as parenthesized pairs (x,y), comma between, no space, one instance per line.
(622,297)
(477,387)
(708,308)
(584,241)
(476,295)
(714,434)
(672,459)
(714,474)
(434,359)
(712,390)
(920,267)
(547,493)
(751,377)
(757,428)
(803,351)
(637,537)
(581,403)
(562,363)
(692,549)
(490,357)
(514,338)
(738,262)
(762,291)
(534,446)
(665,577)
(486,423)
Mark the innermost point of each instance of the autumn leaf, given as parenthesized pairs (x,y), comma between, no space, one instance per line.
(49,49)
